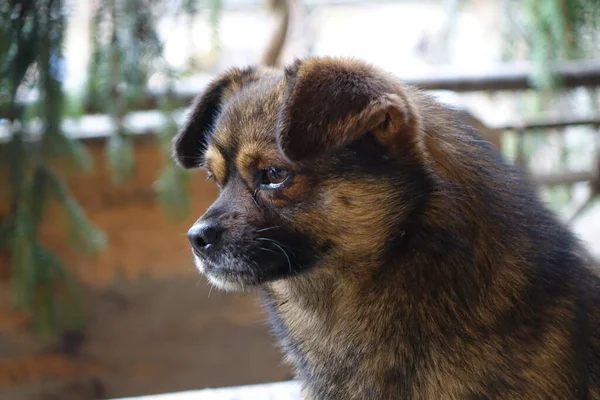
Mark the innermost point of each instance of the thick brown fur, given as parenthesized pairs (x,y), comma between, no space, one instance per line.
(402,258)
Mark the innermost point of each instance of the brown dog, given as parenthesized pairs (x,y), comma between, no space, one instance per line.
(400,256)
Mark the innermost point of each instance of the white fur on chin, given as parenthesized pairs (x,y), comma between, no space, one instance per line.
(216,281)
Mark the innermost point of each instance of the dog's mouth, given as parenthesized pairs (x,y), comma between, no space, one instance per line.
(238,268)
(223,276)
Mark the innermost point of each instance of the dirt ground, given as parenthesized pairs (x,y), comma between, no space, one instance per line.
(143,337)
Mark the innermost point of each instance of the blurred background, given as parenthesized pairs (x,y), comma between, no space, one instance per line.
(98,294)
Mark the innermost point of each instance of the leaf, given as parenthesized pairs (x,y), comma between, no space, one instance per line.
(20,255)
(5,233)
(53,282)
(38,195)
(214,20)
(121,157)
(73,152)
(171,188)
(83,235)
(31,46)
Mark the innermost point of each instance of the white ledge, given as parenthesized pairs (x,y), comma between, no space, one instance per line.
(288,390)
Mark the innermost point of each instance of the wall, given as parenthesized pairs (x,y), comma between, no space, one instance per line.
(141,238)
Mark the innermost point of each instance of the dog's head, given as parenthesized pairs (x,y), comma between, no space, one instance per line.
(316,163)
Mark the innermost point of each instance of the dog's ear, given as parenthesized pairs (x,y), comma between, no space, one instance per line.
(332,102)
(190,142)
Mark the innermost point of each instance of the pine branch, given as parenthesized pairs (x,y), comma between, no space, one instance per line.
(84,236)
(119,71)
(32,36)
(559,30)
(214,18)
(172,184)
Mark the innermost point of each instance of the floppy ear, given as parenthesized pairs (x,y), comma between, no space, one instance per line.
(332,102)
(190,142)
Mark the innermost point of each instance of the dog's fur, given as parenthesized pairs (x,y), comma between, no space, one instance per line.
(403,258)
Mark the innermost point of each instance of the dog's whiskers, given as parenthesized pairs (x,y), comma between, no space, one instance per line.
(266,229)
(275,242)
(269,250)
(282,249)
(254,198)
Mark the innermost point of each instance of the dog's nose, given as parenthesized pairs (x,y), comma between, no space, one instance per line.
(204,235)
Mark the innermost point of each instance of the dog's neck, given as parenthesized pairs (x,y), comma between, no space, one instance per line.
(345,318)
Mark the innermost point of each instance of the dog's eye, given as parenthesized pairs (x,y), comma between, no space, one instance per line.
(211,177)
(274,176)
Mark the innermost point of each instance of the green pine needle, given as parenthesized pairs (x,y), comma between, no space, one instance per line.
(121,157)
(171,188)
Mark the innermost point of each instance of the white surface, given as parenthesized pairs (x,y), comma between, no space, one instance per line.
(273,391)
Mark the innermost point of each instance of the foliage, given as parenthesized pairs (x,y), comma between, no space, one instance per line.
(127,51)
(553,31)
(171,185)
(31,34)
(547,32)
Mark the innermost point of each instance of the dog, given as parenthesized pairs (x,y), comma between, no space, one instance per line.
(399,255)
